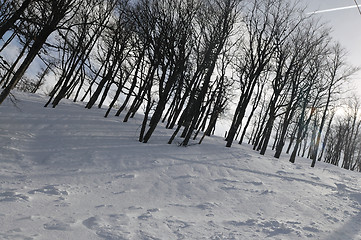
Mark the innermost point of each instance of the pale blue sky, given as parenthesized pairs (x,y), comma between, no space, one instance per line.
(346,24)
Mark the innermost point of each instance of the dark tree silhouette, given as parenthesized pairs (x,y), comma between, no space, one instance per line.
(52,13)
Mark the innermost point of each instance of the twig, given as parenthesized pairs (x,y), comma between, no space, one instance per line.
(358,7)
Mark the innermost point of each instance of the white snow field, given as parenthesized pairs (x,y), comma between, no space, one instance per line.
(70,173)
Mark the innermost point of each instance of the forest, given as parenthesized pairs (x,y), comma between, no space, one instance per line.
(270,67)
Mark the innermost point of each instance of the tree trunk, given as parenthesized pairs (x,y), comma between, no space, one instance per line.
(10,22)
(318,139)
(34,50)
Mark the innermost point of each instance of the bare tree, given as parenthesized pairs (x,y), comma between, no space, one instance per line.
(344,141)
(10,14)
(80,39)
(177,27)
(309,92)
(219,30)
(337,73)
(117,41)
(267,23)
(309,44)
(51,14)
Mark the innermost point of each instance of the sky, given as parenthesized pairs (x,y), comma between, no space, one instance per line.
(345,19)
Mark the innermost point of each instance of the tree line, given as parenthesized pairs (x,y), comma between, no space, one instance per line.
(185,63)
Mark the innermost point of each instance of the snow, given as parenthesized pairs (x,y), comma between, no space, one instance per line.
(70,173)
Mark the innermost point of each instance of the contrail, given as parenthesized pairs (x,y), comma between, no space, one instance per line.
(335,9)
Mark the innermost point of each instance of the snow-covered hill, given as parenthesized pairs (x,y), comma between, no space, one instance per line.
(69,173)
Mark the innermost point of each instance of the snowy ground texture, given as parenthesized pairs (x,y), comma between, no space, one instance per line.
(69,173)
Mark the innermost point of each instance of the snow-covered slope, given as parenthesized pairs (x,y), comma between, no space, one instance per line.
(69,173)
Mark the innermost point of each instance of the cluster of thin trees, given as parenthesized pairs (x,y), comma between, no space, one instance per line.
(343,145)
(185,63)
